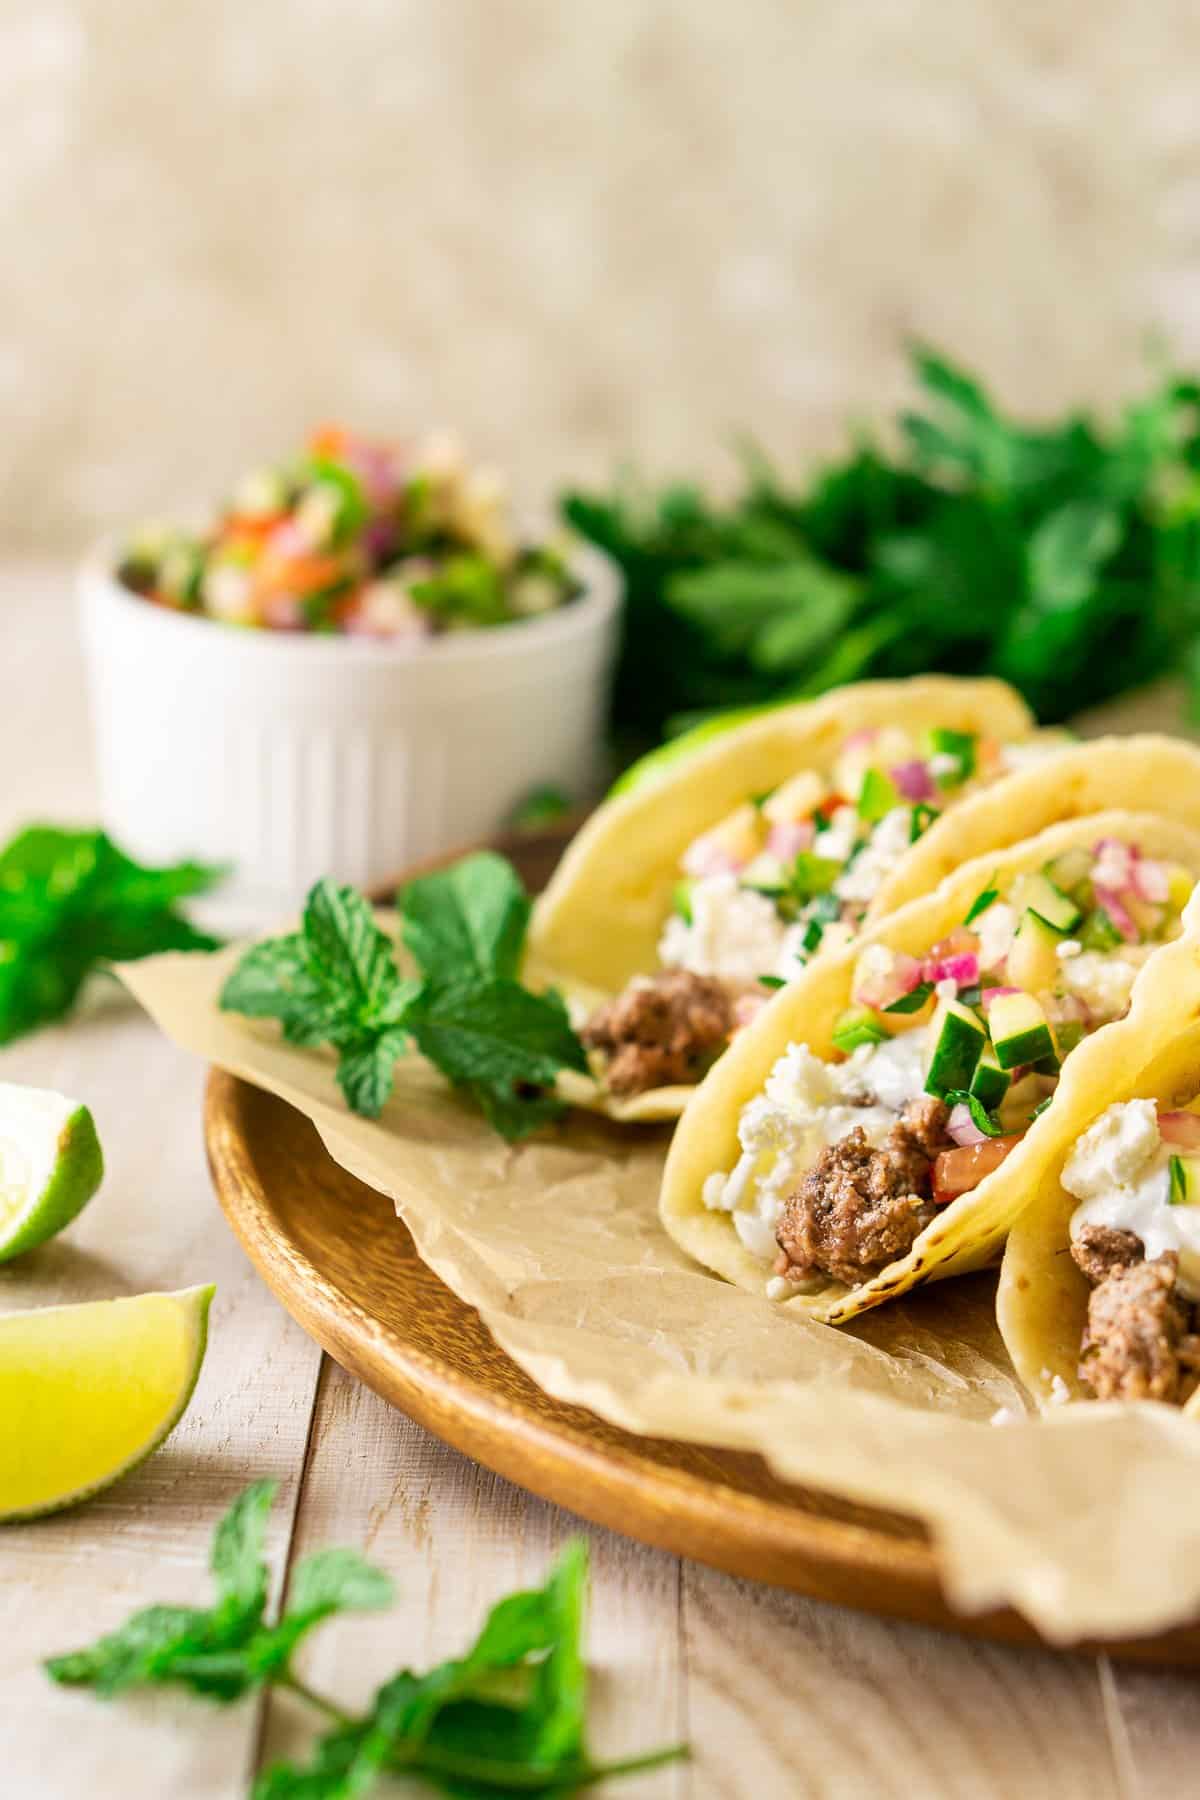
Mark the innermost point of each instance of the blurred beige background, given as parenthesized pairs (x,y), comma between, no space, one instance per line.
(578,229)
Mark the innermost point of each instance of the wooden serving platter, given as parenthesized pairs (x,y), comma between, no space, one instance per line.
(343,1265)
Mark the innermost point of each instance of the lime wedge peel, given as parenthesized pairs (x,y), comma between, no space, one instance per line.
(87,1392)
(50,1165)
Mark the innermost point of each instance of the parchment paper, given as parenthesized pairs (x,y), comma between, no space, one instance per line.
(1087,1522)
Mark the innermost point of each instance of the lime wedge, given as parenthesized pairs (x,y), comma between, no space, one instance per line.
(86,1392)
(50,1165)
(649,770)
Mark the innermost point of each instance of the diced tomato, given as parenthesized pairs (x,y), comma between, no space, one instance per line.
(329,440)
(956,1172)
(829,806)
(1182,1128)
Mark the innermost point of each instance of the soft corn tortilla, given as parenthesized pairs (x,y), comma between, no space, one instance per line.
(1153,1053)
(1146,770)
(598,923)
(967,1234)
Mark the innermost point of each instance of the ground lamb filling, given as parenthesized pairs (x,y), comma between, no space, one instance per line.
(1135,1237)
(1141,1340)
(860,1208)
(663,1030)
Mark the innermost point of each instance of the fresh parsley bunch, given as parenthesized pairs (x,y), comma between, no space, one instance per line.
(506,1719)
(70,903)
(336,981)
(1064,557)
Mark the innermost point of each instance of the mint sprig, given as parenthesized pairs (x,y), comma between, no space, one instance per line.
(71,903)
(508,1718)
(336,981)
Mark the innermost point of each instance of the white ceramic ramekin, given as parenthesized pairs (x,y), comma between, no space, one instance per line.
(292,757)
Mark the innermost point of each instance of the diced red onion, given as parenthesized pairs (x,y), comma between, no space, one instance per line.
(913,780)
(1114,865)
(963,969)
(1117,912)
(879,990)
(858,740)
(1150,881)
(746,1009)
(1182,1128)
(788,839)
(962,1127)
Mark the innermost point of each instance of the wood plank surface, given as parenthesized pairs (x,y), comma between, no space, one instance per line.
(780,1697)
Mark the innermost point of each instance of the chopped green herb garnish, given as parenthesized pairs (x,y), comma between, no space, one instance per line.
(981,902)
(981,1118)
(452,1725)
(923,817)
(1179,1185)
(1041,1106)
(1098,931)
(911,1002)
(681,901)
(771,981)
(335,981)
(877,797)
(961,746)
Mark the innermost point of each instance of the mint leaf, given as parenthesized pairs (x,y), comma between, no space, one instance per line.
(467,922)
(138,1652)
(236,1560)
(346,946)
(71,902)
(498,1041)
(366,1070)
(330,1581)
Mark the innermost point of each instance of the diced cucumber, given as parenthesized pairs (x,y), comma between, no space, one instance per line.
(1032,961)
(1038,894)
(1180,882)
(810,875)
(855,1026)
(766,875)
(1185,1181)
(1098,931)
(877,796)
(681,901)
(913,1001)
(1020,1031)
(961,746)
(958,1038)
(990,1082)
(1071,868)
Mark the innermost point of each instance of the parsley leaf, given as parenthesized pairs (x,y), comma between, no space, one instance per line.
(1064,557)
(505,1719)
(336,981)
(71,902)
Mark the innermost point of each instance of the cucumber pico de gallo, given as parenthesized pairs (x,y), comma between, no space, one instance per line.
(941,1064)
(355,537)
(794,871)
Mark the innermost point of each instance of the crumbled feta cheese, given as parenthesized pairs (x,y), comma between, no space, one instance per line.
(807,1103)
(1114,1151)
(839,836)
(1005,1415)
(734,933)
(877,858)
(1067,949)
(943,766)
(996,929)
(1119,1170)
(1060,1393)
(779,1288)
(1101,980)
(947,989)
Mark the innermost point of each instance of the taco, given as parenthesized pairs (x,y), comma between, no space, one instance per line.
(739,860)
(1099,1293)
(875,1126)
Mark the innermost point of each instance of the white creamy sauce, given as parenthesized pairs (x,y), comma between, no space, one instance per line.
(1119,1171)
(806,1104)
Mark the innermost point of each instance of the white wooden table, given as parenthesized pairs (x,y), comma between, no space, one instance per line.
(779,1696)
